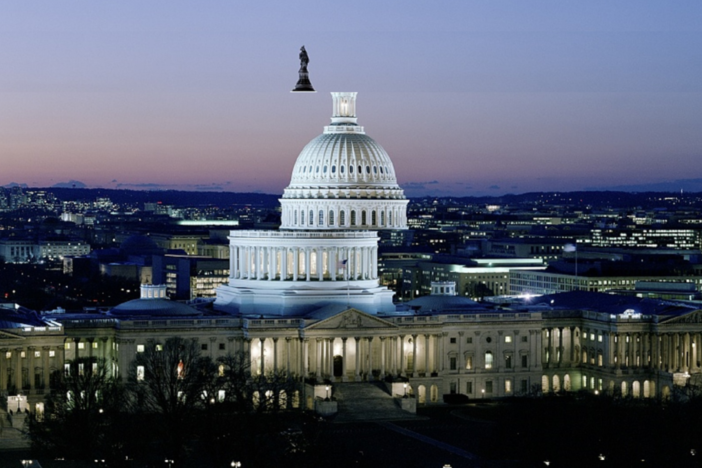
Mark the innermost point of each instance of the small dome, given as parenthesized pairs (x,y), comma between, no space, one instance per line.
(140,245)
(153,308)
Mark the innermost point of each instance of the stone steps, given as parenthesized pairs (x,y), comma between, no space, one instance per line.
(366,401)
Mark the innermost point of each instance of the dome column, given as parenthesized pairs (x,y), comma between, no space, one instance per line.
(296,263)
(308,254)
(232,262)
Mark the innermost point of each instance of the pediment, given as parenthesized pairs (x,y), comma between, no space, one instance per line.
(692,317)
(351,319)
(10,336)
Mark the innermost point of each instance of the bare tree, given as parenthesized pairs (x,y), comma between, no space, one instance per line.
(170,379)
(80,411)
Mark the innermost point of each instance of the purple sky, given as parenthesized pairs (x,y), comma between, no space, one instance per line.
(468,97)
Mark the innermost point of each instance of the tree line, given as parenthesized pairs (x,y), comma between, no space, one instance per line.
(175,404)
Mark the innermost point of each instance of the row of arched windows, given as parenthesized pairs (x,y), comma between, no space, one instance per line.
(374,215)
(342,169)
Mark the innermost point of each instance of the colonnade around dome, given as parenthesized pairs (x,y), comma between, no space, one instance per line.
(303,263)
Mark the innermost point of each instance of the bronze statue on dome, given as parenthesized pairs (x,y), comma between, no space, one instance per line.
(303,83)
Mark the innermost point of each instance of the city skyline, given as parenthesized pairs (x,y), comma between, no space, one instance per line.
(468,99)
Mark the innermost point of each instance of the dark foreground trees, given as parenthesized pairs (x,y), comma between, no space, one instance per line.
(81,414)
(176,404)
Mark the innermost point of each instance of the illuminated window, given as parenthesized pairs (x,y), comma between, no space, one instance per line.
(67,345)
(508,386)
(159,347)
(37,353)
(23,354)
(140,348)
(140,373)
(52,353)
(469,363)
(488,360)
(95,345)
(508,339)
(81,345)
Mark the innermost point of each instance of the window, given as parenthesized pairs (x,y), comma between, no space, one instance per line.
(221,346)
(353,217)
(159,347)
(140,348)
(488,386)
(524,339)
(508,339)
(331,218)
(469,362)
(508,386)
(524,386)
(203,346)
(342,218)
(52,353)
(525,360)
(140,373)
(452,340)
(488,340)
(508,361)
(67,346)
(469,340)
(363,218)
(488,360)
(95,345)
(469,388)
(81,345)
(320,219)
(23,354)
(37,353)
(452,363)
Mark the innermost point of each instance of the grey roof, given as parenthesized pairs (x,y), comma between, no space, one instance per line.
(153,308)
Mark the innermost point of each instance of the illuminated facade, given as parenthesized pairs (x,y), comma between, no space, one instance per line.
(307,300)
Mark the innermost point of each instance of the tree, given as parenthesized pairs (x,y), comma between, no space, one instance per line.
(170,380)
(80,412)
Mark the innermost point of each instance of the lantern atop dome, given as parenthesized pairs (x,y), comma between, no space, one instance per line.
(344,109)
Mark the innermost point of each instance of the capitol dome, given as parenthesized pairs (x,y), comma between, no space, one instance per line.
(343,179)
(153,303)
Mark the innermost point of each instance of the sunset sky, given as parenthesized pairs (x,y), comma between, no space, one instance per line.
(467,97)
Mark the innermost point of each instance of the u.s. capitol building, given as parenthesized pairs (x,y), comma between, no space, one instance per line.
(306,300)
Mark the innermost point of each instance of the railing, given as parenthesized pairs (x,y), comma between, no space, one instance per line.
(275,323)
(490,317)
(176,323)
(302,235)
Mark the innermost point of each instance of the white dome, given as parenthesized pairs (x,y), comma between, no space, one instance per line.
(343,179)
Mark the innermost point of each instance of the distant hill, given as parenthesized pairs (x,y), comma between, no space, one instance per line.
(167,197)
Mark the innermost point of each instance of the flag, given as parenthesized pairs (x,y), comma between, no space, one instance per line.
(341,264)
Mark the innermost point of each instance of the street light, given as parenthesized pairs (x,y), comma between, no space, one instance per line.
(236,464)
(27,462)
(483,392)
(170,462)
(327,389)
(405,386)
